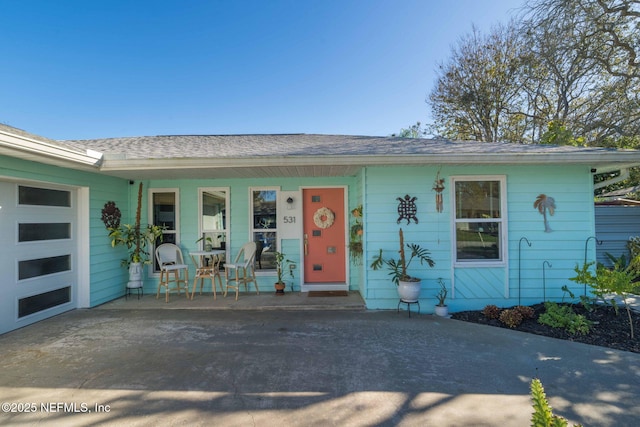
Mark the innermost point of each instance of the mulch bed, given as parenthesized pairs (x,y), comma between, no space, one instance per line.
(609,330)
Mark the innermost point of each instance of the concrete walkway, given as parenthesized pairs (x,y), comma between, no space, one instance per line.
(137,365)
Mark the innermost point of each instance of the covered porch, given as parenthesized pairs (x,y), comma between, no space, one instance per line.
(247,301)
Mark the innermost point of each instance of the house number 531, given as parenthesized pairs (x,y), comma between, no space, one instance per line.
(289,219)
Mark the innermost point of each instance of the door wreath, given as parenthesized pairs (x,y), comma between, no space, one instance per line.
(323,218)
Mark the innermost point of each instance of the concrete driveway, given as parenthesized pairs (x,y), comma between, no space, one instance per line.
(153,367)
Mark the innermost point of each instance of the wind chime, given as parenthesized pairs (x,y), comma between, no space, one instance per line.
(438,187)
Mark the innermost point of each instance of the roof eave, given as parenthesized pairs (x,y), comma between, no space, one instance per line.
(611,160)
(16,145)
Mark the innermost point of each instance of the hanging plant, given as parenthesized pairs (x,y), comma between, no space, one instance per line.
(355,236)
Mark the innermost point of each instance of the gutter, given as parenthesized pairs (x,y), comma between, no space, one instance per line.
(40,148)
(610,161)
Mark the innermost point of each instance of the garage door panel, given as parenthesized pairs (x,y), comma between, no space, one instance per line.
(39,276)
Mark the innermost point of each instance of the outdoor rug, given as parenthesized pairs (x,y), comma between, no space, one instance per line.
(328,294)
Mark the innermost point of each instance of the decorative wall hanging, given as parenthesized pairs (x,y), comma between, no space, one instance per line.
(111,215)
(355,236)
(407,209)
(323,218)
(544,203)
(438,187)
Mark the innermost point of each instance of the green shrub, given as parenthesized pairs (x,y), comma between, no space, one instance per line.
(511,317)
(563,316)
(491,311)
(620,280)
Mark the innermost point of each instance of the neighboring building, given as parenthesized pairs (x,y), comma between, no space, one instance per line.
(267,188)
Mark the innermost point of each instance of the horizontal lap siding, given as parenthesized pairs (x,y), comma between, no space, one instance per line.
(384,186)
(572,223)
(238,217)
(542,269)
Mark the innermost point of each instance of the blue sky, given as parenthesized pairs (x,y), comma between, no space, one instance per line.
(82,69)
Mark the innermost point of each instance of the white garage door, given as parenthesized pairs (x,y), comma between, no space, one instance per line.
(38,273)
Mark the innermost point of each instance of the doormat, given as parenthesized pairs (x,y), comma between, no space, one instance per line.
(328,293)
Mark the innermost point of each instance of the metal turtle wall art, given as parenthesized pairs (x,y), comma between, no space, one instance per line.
(407,209)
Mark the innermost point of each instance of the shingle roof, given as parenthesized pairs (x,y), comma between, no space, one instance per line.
(211,156)
(242,146)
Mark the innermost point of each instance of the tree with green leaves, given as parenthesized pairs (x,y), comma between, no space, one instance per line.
(565,72)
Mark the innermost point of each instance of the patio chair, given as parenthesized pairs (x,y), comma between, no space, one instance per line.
(170,261)
(242,270)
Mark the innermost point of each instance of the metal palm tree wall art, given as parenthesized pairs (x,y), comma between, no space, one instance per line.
(545,203)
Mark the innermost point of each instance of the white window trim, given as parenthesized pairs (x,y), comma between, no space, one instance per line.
(175,231)
(253,230)
(227,208)
(503,220)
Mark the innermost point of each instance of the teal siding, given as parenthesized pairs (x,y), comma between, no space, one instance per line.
(239,221)
(384,186)
(377,189)
(485,284)
(572,224)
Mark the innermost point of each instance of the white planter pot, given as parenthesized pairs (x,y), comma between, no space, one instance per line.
(409,291)
(136,270)
(442,310)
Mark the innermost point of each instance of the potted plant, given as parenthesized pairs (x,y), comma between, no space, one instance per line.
(136,239)
(208,245)
(282,263)
(408,286)
(441,307)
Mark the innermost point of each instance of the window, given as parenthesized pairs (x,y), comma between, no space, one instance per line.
(36,303)
(30,268)
(264,226)
(213,217)
(31,232)
(479,206)
(164,213)
(43,197)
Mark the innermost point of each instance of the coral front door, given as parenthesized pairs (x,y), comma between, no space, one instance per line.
(324,238)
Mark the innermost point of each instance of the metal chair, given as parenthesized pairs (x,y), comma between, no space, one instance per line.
(169,257)
(244,269)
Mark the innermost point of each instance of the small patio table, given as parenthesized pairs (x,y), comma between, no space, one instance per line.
(204,270)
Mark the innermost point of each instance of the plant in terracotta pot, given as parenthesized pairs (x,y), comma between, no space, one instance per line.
(441,306)
(134,237)
(282,263)
(408,286)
